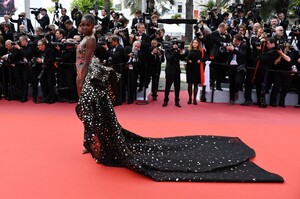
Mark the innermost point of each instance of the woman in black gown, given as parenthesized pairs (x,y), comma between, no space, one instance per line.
(185,158)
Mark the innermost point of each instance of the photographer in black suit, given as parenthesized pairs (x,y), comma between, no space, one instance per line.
(60,22)
(237,66)
(28,52)
(46,59)
(23,21)
(44,21)
(173,56)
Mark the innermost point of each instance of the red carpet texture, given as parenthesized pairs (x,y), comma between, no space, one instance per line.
(40,148)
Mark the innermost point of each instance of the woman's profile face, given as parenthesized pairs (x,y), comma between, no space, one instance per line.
(86,27)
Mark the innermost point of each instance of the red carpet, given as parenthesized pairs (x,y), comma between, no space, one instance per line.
(40,148)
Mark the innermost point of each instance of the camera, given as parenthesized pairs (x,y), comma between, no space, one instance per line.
(64,44)
(223,48)
(104,41)
(15,43)
(36,11)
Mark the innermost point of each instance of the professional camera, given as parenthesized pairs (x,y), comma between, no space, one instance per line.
(36,11)
(236,7)
(179,43)
(223,48)
(104,41)
(64,44)
(280,44)
(15,43)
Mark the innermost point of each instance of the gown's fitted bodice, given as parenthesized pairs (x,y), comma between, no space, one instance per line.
(185,158)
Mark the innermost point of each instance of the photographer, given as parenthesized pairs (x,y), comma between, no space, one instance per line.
(237,66)
(130,72)
(7,33)
(68,71)
(28,52)
(44,21)
(76,16)
(23,21)
(282,78)
(267,60)
(257,44)
(122,31)
(145,44)
(60,22)
(45,61)
(136,20)
(173,56)
(104,21)
(71,30)
(15,72)
(156,58)
(214,19)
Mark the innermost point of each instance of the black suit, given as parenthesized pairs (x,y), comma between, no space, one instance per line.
(44,21)
(28,52)
(61,23)
(173,73)
(236,75)
(20,22)
(104,23)
(72,33)
(136,21)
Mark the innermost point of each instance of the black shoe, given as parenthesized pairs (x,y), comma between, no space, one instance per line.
(230,103)
(297,106)
(203,99)
(282,106)
(34,99)
(190,101)
(154,98)
(247,103)
(219,88)
(24,99)
(273,105)
(177,104)
(195,102)
(165,104)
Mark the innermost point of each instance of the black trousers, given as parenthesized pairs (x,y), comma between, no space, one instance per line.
(170,79)
(22,78)
(281,83)
(249,84)
(47,84)
(236,80)
(67,82)
(261,80)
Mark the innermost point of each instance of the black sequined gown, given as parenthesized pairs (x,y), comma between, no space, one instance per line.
(185,158)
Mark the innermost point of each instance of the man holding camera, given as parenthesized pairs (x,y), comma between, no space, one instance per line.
(60,22)
(173,57)
(236,61)
(45,60)
(23,21)
(44,21)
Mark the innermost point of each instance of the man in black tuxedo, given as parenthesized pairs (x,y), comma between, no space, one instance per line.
(44,21)
(236,61)
(23,21)
(45,60)
(144,53)
(60,22)
(138,19)
(115,56)
(173,57)
(28,51)
(7,32)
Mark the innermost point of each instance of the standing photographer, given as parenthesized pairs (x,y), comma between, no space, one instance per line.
(44,21)
(60,22)
(173,56)
(46,59)
(23,21)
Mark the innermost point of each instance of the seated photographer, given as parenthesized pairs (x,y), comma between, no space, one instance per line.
(237,66)
(45,60)
(44,21)
(23,21)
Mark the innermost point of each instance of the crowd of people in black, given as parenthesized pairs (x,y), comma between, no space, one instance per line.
(251,53)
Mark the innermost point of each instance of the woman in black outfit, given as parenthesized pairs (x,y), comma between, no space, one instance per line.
(194,57)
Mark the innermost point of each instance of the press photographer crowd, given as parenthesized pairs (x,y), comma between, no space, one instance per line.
(245,52)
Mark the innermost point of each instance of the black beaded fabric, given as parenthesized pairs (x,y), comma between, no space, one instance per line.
(184,158)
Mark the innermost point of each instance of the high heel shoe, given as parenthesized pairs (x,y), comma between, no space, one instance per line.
(85,151)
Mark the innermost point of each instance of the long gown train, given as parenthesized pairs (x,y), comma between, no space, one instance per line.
(184,158)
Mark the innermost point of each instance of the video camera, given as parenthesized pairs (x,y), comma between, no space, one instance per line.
(169,44)
(36,11)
